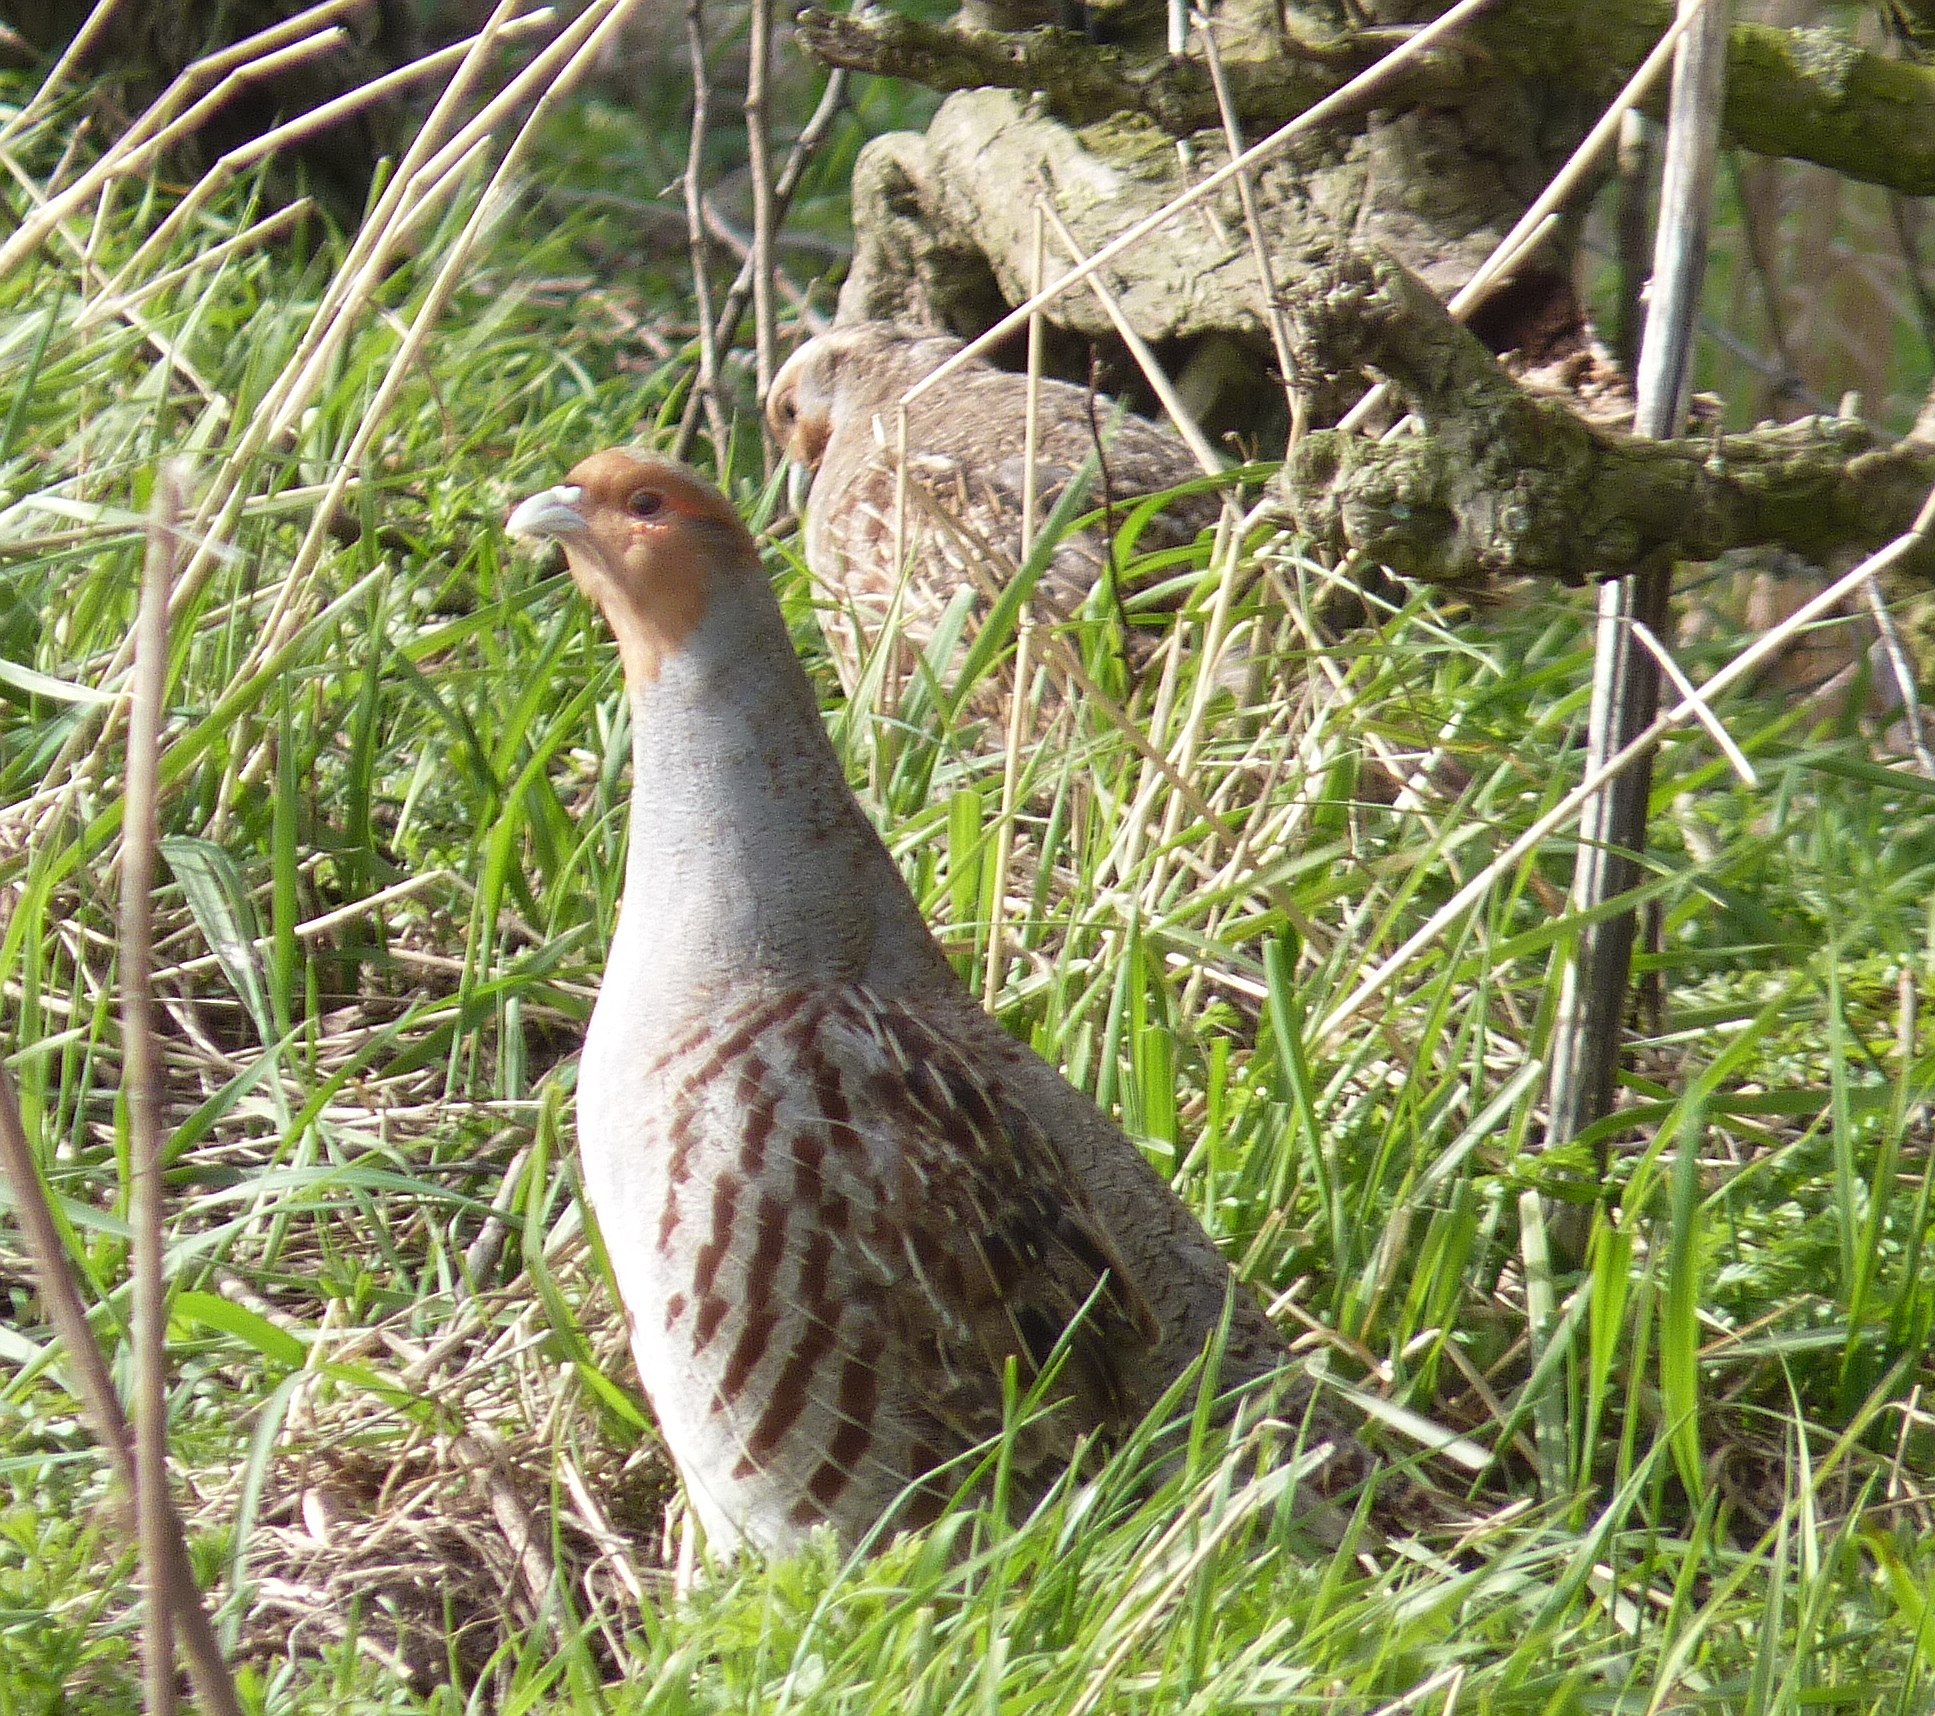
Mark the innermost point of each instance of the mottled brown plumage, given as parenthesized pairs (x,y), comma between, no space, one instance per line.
(840,1202)
(834,409)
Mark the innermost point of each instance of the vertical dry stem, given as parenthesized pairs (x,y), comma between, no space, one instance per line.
(1018,704)
(1587,1033)
(141,1077)
(759,161)
(707,387)
(66,1310)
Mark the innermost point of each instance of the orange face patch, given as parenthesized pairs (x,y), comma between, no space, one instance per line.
(656,538)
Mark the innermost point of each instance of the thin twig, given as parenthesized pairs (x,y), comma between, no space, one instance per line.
(1904,220)
(707,386)
(1635,171)
(805,146)
(741,245)
(1766,272)
(759,163)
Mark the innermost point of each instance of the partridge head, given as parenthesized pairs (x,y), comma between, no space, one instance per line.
(646,540)
(841,1204)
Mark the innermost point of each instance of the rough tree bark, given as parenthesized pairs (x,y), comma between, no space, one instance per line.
(1369,226)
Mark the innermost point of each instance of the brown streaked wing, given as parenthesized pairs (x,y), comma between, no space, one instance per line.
(1004,1251)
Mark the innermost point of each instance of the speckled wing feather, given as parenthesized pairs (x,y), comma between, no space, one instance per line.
(877,1231)
(1007,1252)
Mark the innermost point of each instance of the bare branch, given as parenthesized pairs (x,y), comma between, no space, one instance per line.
(805,147)
(1354,97)
(1503,483)
(1810,94)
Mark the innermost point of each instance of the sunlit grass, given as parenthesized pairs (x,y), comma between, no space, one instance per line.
(393,810)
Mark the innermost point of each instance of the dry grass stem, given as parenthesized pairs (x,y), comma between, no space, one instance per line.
(79,248)
(1901,668)
(1020,704)
(295,386)
(759,60)
(706,388)
(308,32)
(141,1086)
(294,131)
(1253,230)
(1146,360)
(599,23)
(73,55)
(110,303)
(1716,729)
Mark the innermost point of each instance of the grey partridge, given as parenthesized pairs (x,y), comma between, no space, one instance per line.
(833,408)
(839,1200)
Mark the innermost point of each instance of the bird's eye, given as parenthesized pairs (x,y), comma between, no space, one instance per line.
(644,503)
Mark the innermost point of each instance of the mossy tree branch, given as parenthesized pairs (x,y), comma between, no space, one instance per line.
(1809,94)
(1083,81)
(1501,483)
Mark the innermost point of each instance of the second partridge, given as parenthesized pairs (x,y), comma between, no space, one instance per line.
(834,408)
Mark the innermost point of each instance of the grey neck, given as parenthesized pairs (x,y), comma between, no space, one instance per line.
(750,860)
